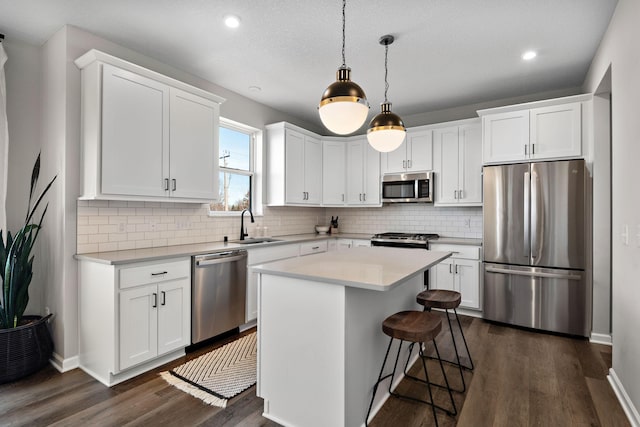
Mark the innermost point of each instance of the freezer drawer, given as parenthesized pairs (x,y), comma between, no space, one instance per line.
(541,298)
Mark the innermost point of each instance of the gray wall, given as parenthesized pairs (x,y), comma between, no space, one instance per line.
(619,52)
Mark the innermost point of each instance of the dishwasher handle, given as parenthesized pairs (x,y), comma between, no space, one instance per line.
(217,258)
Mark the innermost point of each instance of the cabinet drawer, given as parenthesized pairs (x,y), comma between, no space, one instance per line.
(309,248)
(273,253)
(154,273)
(459,251)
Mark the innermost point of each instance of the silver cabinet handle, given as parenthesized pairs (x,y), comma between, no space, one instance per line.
(315,248)
(364,197)
(166,184)
(455,194)
(404,164)
(164,298)
(155,300)
(525,220)
(360,196)
(173,184)
(450,268)
(533,148)
(460,194)
(159,274)
(409,164)
(343,197)
(456,268)
(525,149)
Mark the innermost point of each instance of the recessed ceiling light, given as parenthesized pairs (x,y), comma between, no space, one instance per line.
(529,55)
(232,21)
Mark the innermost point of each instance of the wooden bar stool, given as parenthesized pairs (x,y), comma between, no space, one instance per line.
(446,300)
(414,327)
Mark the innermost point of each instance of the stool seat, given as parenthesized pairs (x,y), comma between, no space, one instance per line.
(439,298)
(413,326)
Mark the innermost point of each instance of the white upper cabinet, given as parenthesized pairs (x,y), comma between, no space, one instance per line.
(145,136)
(334,173)
(294,161)
(458,164)
(363,173)
(555,131)
(414,155)
(541,130)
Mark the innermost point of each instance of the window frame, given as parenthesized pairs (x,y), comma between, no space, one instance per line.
(255,170)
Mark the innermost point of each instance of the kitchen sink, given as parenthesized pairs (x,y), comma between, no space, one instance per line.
(256,240)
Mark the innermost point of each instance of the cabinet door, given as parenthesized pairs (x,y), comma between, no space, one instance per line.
(371,180)
(395,161)
(556,131)
(467,278)
(447,160)
(138,325)
(470,163)
(344,244)
(505,137)
(135,134)
(294,167)
(441,276)
(355,172)
(333,173)
(174,321)
(313,170)
(361,243)
(419,151)
(193,146)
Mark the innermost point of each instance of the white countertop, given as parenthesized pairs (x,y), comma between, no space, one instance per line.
(152,254)
(375,268)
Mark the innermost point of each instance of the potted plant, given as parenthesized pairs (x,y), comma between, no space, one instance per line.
(25,341)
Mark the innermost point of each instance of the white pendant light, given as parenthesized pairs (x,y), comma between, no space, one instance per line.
(343,108)
(386,130)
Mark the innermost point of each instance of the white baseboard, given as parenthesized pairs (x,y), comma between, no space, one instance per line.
(626,403)
(600,338)
(64,365)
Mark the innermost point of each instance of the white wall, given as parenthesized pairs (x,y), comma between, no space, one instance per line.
(619,50)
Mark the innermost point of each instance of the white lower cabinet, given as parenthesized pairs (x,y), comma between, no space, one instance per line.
(343,244)
(133,317)
(460,272)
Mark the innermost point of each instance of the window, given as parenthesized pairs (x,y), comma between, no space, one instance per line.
(236,159)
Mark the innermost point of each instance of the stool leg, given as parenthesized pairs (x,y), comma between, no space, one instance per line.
(426,375)
(375,386)
(446,381)
(464,340)
(455,347)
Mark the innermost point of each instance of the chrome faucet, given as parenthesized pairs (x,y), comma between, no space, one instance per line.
(243,232)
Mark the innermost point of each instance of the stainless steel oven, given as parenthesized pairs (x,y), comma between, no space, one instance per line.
(405,240)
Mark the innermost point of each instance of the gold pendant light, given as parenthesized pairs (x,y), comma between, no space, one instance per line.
(386,130)
(343,108)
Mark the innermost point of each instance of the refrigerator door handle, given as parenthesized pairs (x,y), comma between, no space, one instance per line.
(535,215)
(534,274)
(526,219)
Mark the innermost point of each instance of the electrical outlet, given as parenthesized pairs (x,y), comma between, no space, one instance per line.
(121,227)
(467,222)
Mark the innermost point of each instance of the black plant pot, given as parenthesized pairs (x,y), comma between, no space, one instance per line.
(25,349)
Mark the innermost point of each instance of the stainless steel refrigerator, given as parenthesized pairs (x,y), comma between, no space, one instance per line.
(534,246)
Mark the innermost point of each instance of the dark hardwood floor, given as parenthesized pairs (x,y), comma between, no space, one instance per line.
(522,378)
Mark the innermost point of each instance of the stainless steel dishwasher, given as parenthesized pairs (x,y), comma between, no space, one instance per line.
(218,293)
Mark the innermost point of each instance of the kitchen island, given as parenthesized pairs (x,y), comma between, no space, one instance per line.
(320,340)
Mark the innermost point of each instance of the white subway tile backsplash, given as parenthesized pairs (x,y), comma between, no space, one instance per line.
(155,224)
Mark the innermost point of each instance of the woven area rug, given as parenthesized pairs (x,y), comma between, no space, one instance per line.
(219,375)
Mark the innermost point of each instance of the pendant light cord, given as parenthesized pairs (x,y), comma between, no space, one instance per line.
(344,19)
(386,72)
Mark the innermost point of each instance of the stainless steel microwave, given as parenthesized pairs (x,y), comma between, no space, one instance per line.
(407,188)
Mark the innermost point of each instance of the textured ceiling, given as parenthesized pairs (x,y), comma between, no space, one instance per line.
(447,53)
